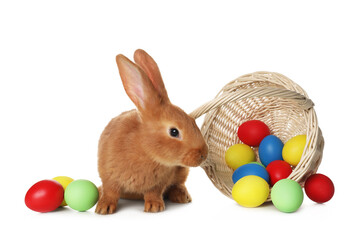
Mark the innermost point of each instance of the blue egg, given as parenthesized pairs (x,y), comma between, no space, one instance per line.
(270,149)
(250,169)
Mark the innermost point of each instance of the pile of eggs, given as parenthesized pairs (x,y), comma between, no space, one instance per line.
(252,180)
(48,195)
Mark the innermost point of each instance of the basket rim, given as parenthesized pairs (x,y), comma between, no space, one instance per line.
(229,92)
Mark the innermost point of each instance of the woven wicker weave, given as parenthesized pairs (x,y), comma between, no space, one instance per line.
(267,96)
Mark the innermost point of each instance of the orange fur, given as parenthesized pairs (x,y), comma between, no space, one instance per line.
(137,157)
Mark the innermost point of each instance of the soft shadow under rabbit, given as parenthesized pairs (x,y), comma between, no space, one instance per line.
(145,153)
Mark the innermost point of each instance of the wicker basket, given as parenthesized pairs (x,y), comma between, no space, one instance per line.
(267,96)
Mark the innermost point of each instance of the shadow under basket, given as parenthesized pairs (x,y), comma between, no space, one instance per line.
(271,98)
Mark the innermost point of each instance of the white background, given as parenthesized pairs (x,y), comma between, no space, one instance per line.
(60,87)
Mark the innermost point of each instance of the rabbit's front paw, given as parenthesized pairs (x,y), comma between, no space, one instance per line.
(154,206)
(106,207)
(179,194)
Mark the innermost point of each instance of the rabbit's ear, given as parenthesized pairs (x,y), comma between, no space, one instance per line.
(137,85)
(147,63)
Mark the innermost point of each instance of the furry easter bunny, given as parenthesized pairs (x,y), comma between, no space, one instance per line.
(145,153)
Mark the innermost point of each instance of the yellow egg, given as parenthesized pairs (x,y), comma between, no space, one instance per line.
(293,149)
(238,155)
(64,181)
(250,191)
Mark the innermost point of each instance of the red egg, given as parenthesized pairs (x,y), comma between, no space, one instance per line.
(319,188)
(278,170)
(44,196)
(252,132)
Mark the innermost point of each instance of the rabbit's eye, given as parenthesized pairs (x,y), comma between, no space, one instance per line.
(174,132)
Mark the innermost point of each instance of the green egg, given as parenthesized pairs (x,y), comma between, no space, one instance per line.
(81,195)
(287,195)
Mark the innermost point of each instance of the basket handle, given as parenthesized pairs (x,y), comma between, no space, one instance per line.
(228,97)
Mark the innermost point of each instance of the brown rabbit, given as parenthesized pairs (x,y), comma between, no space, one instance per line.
(145,153)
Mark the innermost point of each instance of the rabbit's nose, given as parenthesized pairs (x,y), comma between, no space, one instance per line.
(204,153)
